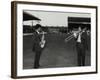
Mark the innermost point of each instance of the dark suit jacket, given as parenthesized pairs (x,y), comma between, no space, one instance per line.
(84,40)
(36,42)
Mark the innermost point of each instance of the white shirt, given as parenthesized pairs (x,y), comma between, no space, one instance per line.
(79,38)
(38,32)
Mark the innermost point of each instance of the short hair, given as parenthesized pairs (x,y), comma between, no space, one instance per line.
(38,26)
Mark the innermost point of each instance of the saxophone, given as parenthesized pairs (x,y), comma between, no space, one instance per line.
(43,41)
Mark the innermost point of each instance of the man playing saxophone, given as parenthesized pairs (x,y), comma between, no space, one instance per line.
(38,44)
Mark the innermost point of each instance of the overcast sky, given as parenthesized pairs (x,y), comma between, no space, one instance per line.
(53,18)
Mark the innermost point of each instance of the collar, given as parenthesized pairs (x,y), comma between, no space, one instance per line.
(38,32)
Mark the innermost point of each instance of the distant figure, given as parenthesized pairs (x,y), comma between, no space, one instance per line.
(81,46)
(38,44)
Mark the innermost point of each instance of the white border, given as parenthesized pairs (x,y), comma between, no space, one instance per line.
(33,72)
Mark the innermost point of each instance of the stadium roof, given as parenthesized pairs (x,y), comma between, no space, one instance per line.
(79,19)
(27,16)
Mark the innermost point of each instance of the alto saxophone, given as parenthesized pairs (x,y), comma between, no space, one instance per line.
(42,43)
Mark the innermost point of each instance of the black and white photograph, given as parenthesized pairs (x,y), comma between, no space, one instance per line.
(53,39)
(56,39)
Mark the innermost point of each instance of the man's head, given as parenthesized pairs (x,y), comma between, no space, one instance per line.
(79,28)
(38,27)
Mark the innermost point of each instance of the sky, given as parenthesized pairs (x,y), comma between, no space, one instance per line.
(50,18)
